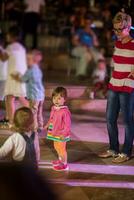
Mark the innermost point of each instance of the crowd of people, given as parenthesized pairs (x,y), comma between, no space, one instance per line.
(26,85)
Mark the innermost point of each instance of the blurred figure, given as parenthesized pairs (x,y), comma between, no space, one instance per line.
(15,54)
(34,86)
(14,11)
(84,40)
(31,20)
(23,144)
(99,76)
(21,182)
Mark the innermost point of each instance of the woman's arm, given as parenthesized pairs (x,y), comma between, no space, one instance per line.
(3,56)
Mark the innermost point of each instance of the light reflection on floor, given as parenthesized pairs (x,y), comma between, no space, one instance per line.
(96,169)
(98,183)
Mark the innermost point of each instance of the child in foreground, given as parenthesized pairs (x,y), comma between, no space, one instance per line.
(58,127)
(23,144)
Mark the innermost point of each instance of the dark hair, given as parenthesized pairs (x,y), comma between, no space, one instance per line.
(23,119)
(101,60)
(60,90)
(14,32)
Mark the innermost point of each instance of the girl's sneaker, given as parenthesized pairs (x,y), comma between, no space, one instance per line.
(56,162)
(61,167)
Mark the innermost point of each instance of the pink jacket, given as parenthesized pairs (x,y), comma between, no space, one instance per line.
(60,118)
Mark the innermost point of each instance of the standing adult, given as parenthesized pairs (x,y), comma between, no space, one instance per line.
(121,91)
(31,20)
(15,54)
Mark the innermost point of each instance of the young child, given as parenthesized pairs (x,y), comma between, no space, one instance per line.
(16,55)
(58,127)
(34,87)
(99,88)
(23,144)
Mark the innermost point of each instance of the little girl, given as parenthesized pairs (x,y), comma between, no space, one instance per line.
(58,127)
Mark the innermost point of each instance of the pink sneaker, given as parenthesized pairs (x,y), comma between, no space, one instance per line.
(56,162)
(61,167)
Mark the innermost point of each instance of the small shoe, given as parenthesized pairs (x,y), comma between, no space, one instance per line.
(108,154)
(61,167)
(56,162)
(121,158)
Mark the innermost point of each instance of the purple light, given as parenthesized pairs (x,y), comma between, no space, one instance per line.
(96,169)
(98,183)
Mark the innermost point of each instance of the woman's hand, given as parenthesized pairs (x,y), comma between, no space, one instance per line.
(131,74)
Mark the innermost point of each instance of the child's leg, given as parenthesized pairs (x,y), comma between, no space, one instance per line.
(10,107)
(24,101)
(40,115)
(60,148)
(34,107)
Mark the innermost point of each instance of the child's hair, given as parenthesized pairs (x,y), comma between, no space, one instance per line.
(60,90)
(124,19)
(23,119)
(37,55)
(101,60)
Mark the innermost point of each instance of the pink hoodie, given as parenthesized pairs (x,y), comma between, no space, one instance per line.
(60,121)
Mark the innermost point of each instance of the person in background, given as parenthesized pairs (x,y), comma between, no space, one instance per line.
(31,20)
(99,88)
(121,91)
(34,86)
(15,54)
(58,127)
(84,40)
(23,144)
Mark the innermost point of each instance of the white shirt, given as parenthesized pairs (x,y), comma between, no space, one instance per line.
(99,74)
(17,58)
(17,145)
(34,5)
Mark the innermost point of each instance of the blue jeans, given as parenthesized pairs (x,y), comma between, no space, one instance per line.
(124,102)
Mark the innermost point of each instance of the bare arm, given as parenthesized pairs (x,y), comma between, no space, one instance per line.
(16,77)
(3,56)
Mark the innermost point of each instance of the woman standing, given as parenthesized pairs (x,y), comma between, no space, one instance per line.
(121,91)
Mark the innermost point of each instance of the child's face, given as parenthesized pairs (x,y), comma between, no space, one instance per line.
(58,100)
(30,60)
(101,66)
